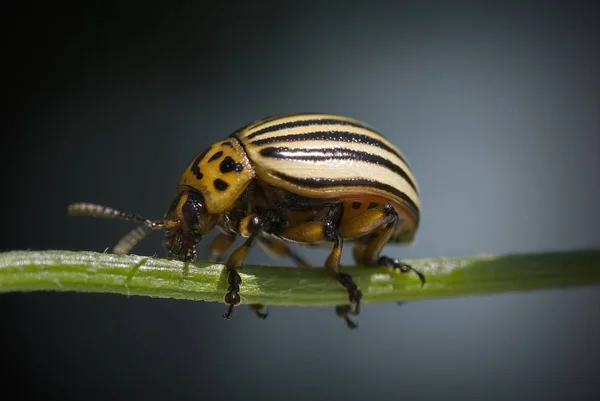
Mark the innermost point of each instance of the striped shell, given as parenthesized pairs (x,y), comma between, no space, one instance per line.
(329,156)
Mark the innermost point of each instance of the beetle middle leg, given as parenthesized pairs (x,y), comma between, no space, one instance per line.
(376,226)
(276,248)
(220,245)
(328,229)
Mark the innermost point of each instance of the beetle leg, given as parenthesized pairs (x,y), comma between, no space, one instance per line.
(332,264)
(220,245)
(232,298)
(236,260)
(369,222)
(261,310)
(277,248)
(380,223)
(328,230)
(251,227)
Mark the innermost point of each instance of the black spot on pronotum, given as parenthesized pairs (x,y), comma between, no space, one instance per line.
(228,165)
(196,164)
(220,185)
(356,205)
(373,205)
(216,156)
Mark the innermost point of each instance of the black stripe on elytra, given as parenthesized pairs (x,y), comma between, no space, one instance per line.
(228,165)
(323,154)
(338,136)
(195,169)
(216,156)
(227,144)
(351,182)
(306,123)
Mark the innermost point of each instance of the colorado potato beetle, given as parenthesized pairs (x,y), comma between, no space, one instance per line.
(304,178)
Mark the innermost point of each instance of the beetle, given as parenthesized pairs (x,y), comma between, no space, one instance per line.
(303,178)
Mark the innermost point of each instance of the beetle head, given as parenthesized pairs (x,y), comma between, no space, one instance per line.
(185,223)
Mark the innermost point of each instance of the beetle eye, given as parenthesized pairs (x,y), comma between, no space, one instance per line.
(189,214)
(192,209)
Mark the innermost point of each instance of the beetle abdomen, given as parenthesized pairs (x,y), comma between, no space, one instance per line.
(328,156)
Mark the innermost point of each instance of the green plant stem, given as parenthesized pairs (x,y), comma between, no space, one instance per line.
(137,275)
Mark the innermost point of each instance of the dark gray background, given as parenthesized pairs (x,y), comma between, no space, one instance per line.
(495,106)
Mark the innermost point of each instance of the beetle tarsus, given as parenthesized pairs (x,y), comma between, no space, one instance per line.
(351,325)
(354,294)
(403,267)
(260,310)
(343,311)
(228,313)
(232,297)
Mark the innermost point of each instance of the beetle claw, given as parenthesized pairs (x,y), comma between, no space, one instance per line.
(229,312)
(351,325)
(344,310)
(403,267)
(260,310)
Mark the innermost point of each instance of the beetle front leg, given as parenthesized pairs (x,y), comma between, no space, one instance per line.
(253,225)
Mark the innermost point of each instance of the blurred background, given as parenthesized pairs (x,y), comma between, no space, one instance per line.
(496,106)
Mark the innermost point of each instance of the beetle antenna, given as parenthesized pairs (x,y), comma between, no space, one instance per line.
(93,210)
(130,239)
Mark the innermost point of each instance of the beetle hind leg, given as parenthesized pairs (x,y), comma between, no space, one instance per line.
(381,222)
(401,266)
(332,264)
